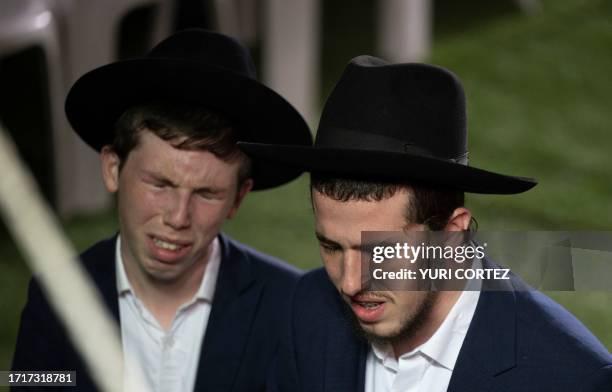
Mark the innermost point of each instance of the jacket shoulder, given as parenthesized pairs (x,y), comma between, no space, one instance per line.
(553,327)
(317,299)
(101,252)
(317,282)
(549,335)
(556,342)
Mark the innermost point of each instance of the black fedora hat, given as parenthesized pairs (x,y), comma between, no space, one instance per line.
(195,67)
(394,122)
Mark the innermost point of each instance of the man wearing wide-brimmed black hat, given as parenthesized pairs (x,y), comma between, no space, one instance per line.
(197,310)
(391,156)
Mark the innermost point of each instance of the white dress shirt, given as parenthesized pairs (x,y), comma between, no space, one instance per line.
(164,361)
(427,368)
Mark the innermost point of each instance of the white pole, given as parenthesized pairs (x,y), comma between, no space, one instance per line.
(227,18)
(291,52)
(404,30)
(54,262)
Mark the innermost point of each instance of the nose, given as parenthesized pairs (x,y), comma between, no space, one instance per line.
(351,273)
(177,213)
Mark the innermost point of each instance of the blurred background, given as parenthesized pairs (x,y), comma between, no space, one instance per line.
(536,73)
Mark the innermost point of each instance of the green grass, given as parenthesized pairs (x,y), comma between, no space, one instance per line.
(279,222)
(538,104)
(539,100)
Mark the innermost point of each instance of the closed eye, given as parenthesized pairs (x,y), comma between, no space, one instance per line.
(156,180)
(159,183)
(329,248)
(208,195)
(327,245)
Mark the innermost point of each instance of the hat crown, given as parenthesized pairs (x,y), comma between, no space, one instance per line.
(194,67)
(396,123)
(417,108)
(210,48)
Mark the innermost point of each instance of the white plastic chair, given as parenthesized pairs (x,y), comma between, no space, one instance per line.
(26,24)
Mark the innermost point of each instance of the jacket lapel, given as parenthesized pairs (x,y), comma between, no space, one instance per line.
(489,347)
(234,305)
(100,263)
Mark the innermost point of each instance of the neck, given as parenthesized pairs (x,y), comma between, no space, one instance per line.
(442,306)
(163,298)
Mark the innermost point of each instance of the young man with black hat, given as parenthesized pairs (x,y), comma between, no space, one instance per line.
(197,310)
(391,156)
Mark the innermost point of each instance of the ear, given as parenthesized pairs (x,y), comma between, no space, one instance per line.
(245,188)
(110,169)
(459,220)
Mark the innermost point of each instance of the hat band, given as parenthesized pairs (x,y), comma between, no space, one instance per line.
(332,137)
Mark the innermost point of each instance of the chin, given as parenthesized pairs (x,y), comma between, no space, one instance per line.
(380,331)
(163,276)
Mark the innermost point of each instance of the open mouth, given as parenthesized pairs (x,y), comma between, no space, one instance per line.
(166,245)
(368,310)
(167,250)
(369,305)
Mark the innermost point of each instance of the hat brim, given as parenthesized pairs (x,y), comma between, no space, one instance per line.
(389,166)
(259,114)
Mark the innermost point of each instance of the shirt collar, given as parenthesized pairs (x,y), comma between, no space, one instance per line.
(123,284)
(206,290)
(445,344)
(385,355)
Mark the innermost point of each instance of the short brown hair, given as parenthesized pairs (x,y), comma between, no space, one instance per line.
(430,206)
(188,127)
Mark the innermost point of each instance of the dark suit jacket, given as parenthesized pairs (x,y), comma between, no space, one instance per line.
(251,298)
(519,340)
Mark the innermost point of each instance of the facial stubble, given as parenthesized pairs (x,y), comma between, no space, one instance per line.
(412,322)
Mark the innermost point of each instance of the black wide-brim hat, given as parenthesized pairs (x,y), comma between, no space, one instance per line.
(194,67)
(397,123)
